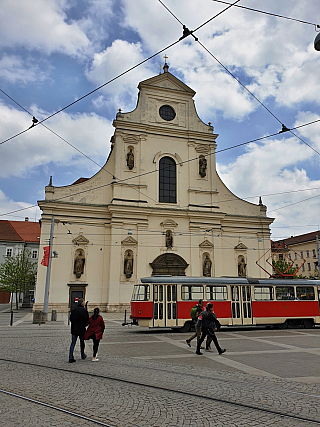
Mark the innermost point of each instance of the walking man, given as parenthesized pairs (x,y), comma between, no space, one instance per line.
(195,313)
(209,320)
(79,319)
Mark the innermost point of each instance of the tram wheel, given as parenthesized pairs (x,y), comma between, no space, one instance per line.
(283,325)
(186,327)
(308,323)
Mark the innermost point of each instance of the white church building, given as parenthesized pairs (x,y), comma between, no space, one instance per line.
(156,207)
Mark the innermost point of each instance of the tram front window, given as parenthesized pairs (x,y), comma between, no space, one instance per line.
(191,292)
(305,293)
(217,293)
(141,293)
(284,292)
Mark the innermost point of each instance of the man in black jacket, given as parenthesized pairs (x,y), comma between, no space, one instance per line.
(209,324)
(79,319)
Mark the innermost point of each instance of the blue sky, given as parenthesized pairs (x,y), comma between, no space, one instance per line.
(55,51)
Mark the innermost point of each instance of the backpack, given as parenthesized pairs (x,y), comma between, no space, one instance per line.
(193,312)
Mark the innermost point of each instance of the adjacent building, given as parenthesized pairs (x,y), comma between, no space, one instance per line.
(157,207)
(302,250)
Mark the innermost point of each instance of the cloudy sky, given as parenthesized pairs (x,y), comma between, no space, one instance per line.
(55,51)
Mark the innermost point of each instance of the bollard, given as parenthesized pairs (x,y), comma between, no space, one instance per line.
(11,318)
(40,314)
(53,316)
(125,316)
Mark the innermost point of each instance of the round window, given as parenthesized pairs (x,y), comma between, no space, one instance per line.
(167,113)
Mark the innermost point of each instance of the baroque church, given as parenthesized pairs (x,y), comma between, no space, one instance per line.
(157,207)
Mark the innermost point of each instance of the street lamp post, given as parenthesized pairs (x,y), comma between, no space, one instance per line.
(46,290)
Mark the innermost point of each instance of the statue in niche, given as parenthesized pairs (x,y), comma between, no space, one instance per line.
(128,264)
(79,262)
(242,267)
(207,264)
(169,239)
(130,159)
(202,166)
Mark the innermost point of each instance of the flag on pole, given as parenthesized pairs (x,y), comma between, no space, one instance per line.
(45,259)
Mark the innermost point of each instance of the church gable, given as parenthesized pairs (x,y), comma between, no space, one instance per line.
(167,81)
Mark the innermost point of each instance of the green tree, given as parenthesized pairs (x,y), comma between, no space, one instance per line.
(18,274)
(283,267)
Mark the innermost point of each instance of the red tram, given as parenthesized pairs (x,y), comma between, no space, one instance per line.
(166,301)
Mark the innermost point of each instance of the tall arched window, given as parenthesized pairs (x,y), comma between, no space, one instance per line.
(167,180)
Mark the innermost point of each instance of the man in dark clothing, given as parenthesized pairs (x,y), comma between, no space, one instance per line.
(209,324)
(79,319)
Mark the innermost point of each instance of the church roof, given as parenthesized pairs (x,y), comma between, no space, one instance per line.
(160,79)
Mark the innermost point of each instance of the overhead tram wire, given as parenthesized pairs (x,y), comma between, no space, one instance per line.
(153,171)
(284,128)
(269,13)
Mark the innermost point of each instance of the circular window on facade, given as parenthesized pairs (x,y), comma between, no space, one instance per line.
(167,113)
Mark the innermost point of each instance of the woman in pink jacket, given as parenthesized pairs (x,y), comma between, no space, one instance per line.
(95,331)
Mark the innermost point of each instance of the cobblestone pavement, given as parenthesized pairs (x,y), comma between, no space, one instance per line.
(152,378)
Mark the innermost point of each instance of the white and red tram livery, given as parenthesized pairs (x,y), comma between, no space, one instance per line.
(166,301)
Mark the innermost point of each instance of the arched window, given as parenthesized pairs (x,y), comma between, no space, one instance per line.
(167,180)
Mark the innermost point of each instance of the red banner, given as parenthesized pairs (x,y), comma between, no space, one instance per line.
(45,259)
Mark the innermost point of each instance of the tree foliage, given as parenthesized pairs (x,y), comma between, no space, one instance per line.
(283,267)
(18,273)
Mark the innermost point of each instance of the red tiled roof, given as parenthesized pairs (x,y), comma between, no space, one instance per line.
(308,237)
(19,231)
(79,180)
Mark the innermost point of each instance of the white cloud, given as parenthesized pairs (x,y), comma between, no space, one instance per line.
(90,133)
(15,69)
(113,61)
(40,25)
(19,210)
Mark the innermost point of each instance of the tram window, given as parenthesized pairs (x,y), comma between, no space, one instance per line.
(174,292)
(155,311)
(174,310)
(263,293)
(160,311)
(169,293)
(190,292)
(305,293)
(161,293)
(155,293)
(284,292)
(141,293)
(169,310)
(216,293)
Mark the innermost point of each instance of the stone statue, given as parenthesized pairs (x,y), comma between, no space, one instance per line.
(130,159)
(169,239)
(207,263)
(242,267)
(79,262)
(202,166)
(128,264)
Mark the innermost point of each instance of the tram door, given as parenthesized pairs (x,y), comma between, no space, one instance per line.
(241,305)
(164,305)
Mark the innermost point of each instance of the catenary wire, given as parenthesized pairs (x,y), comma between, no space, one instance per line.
(269,13)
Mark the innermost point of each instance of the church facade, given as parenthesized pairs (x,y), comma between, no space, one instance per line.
(157,207)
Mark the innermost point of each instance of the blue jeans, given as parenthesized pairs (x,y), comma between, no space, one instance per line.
(73,343)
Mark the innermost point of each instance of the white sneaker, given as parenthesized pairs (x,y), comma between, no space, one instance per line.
(208,349)
(95,359)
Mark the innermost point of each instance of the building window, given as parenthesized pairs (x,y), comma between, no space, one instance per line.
(315,265)
(309,266)
(307,252)
(295,256)
(303,269)
(301,254)
(9,252)
(167,180)
(167,113)
(35,254)
(314,253)
(280,257)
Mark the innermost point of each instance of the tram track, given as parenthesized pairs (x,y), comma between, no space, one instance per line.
(280,414)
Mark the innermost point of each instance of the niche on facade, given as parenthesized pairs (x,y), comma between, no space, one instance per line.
(206,267)
(167,228)
(130,152)
(79,257)
(171,264)
(130,157)
(128,259)
(241,259)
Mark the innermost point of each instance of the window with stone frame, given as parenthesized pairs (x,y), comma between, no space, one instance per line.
(167,180)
